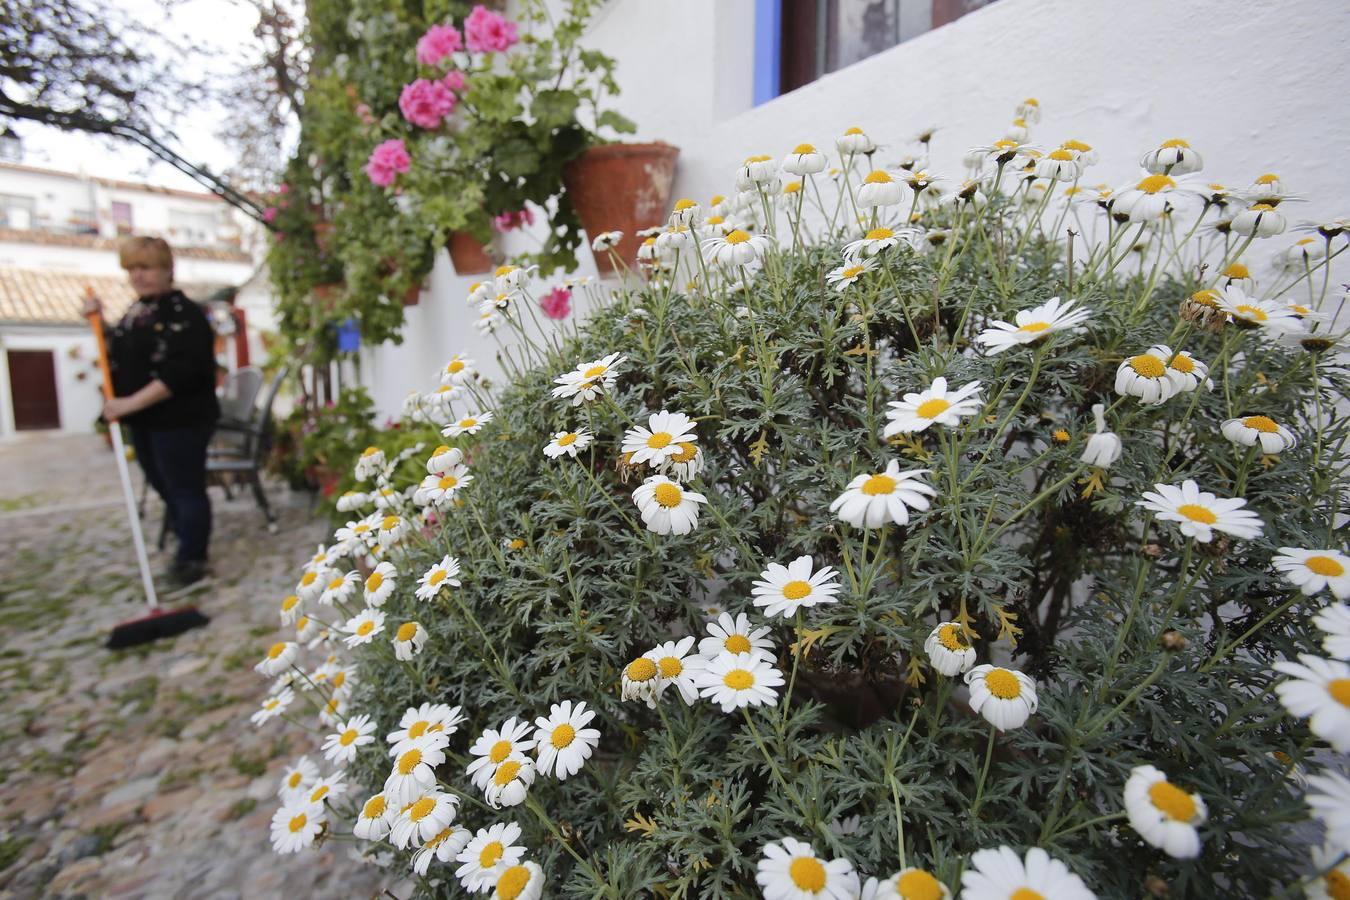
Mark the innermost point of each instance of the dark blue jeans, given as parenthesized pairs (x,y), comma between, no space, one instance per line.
(174,461)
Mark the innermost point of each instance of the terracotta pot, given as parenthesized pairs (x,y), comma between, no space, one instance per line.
(469,256)
(326,295)
(621,187)
(412,295)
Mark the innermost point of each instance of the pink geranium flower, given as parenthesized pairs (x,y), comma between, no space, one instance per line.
(557,303)
(454,80)
(387,162)
(438,43)
(270,214)
(485,31)
(510,221)
(425,103)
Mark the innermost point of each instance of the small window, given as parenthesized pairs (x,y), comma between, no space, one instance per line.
(121,216)
(17,212)
(193,228)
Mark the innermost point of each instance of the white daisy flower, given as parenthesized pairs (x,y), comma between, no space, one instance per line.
(362,627)
(1318,690)
(385,498)
(684,464)
(756,170)
(606,240)
(870,501)
(1060,165)
(659,441)
(436,404)
(408,640)
(391,530)
(1334,884)
(424,818)
(641,681)
(437,489)
(1165,816)
(380,584)
(351,500)
(355,535)
(1150,198)
(567,442)
(509,781)
(1259,220)
(1328,798)
(879,189)
(915,412)
(876,240)
(949,652)
(374,820)
(458,371)
(495,746)
(1187,372)
(845,275)
(1200,513)
(676,666)
(414,771)
(335,709)
(562,741)
(272,707)
(1248,312)
(735,680)
(370,463)
(429,718)
(735,635)
(443,459)
(312,582)
(907,884)
(1146,376)
(438,577)
(1174,157)
(791,870)
(520,882)
(804,159)
(1313,570)
(443,848)
(1334,621)
(1001,875)
(686,212)
(490,852)
(783,590)
(1103,447)
(1249,431)
(340,747)
(278,659)
(854,141)
(339,589)
(1031,325)
(666,507)
(296,825)
(737,248)
(325,789)
(588,380)
(297,780)
(1005,697)
(470,424)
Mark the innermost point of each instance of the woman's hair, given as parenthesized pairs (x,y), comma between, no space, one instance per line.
(151,252)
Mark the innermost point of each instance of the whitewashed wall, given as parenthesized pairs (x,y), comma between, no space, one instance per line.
(1254,86)
(77,377)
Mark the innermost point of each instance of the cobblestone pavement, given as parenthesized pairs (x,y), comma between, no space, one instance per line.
(136,773)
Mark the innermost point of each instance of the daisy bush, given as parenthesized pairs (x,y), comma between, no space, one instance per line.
(883,535)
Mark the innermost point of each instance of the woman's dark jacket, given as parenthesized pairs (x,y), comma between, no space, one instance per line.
(166,337)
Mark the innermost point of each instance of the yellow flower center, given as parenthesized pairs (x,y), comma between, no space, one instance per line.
(506,773)
(670,667)
(1034,327)
(374,582)
(1003,684)
(931,409)
(916,884)
(641,669)
(294,780)
(289,603)
(879,234)
(1263,424)
(365,627)
(1077,145)
(517,543)
(852,272)
(276,650)
(1197,513)
(1061,155)
(1339,689)
(369,452)
(409,761)
(1148,365)
(335,583)
(298,823)
(1060,436)
(374,807)
(660,440)
(1337,885)
(796,590)
(348,736)
(1268,178)
(668,495)
(1155,184)
(807,874)
(1026,893)
(685,453)
(1182,363)
(448,482)
(737,643)
(490,854)
(1251,312)
(454,366)
(339,679)
(504,270)
(1172,801)
(878,485)
(513,882)
(1324,566)
(804,148)
(567,440)
(467,423)
(739,679)
(319,793)
(418,729)
(1261,207)
(421,809)
(389,523)
(737,237)
(407,631)
(950,636)
(715,220)
(1175,142)
(563,736)
(1208,298)
(792,187)
(854,130)
(309,578)
(684,203)
(301,624)
(500,751)
(757,159)
(436,577)
(877,177)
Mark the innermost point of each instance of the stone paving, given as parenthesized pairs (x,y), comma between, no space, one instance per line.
(137,773)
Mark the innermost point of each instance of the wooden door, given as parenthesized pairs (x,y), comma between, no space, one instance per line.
(32,388)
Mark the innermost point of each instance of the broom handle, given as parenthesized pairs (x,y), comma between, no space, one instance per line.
(119,451)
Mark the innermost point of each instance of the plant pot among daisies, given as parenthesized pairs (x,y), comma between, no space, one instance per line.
(621,187)
(468,254)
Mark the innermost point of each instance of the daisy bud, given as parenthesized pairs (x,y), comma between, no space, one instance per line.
(1103,448)
(1173,641)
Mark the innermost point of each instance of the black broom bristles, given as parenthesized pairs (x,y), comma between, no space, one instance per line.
(156,625)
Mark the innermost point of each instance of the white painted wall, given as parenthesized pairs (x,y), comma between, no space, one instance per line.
(78,397)
(1255,87)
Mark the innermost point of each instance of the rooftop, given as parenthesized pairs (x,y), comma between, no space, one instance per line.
(94,242)
(53,297)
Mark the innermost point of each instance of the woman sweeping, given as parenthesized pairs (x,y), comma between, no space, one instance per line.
(163,370)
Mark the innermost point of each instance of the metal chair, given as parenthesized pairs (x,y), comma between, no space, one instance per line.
(228,465)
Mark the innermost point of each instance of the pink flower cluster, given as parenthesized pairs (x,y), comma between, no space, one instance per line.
(510,221)
(485,31)
(557,303)
(438,43)
(425,103)
(387,162)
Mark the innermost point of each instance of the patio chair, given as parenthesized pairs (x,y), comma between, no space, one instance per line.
(228,465)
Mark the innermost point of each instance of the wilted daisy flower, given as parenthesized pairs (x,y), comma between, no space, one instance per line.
(735,635)
(915,412)
(350,500)
(948,650)
(362,627)
(424,818)
(1174,157)
(414,768)
(408,640)
(1318,690)
(1164,815)
(509,781)
(434,405)
(1002,875)
(1259,220)
(1031,325)
(640,681)
(495,746)
(1145,376)
(278,658)
(1149,199)
(296,825)
(370,463)
(1334,883)
(340,747)
(879,189)
(563,743)
(1059,165)
(374,820)
(666,507)
(1303,253)
(655,444)
(872,500)
(1103,447)
(791,870)
(380,584)
(782,590)
(438,577)
(1328,798)
(458,371)
(296,780)
(756,170)
(392,529)
(907,884)
(567,442)
(735,680)
(675,666)
(1005,697)
(853,141)
(1085,153)
(272,707)
(429,718)
(519,882)
(587,381)
(877,240)
(685,463)
(845,275)
(384,497)
(443,848)
(1334,621)
(1249,312)
(738,248)
(1200,513)
(804,160)
(606,240)
(1186,372)
(1312,570)
(470,424)
(1249,431)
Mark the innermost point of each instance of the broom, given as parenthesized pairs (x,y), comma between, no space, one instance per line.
(158,622)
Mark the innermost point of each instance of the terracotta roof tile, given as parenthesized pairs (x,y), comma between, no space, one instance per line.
(94,242)
(48,297)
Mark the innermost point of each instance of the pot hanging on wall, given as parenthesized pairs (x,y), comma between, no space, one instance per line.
(621,187)
(468,255)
